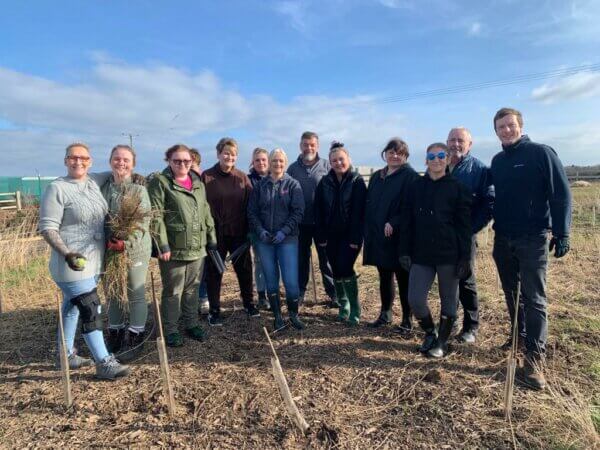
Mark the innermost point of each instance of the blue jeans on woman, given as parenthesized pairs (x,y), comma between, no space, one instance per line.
(276,258)
(70,313)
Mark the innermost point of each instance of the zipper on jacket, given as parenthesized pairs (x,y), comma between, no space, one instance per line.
(273,191)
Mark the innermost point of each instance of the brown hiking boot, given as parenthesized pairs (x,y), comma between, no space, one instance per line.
(532,373)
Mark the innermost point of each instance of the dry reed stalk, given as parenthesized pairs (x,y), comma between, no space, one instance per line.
(512,359)
(128,220)
(314,281)
(64,359)
(290,406)
(162,354)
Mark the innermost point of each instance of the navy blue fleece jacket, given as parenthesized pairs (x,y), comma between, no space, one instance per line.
(532,191)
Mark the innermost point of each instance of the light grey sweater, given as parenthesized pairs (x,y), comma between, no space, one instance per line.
(77,211)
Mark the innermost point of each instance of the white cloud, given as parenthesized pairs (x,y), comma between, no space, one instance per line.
(580,85)
(162,105)
(474,29)
(295,11)
(398,4)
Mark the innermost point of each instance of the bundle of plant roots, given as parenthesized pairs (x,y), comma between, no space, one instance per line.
(129,219)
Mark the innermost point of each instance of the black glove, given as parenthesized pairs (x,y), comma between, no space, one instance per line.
(75,261)
(560,245)
(266,237)
(136,178)
(463,269)
(405,262)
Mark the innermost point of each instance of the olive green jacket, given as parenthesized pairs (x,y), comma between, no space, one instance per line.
(184,224)
(139,244)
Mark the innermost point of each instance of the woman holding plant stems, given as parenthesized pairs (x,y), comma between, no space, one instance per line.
(72,214)
(387,195)
(183,229)
(436,240)
(274,213)
(133,248)
(339,218)
(258,170)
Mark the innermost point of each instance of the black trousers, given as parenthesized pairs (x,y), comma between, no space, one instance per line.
(341,256)
(243,270)
(305,241)
(387,289)
(467,294)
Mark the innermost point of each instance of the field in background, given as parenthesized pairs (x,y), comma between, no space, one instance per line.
(357,388)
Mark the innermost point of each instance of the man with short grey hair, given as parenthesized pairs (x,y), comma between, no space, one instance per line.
(474,174)
(308,169)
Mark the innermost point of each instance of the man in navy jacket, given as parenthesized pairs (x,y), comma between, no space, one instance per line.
(532,197)
(476,177)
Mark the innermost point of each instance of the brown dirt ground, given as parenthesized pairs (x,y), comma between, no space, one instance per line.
(356,387)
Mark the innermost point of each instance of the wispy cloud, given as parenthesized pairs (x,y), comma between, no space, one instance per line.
(295,12)
(580,85)
(474,29)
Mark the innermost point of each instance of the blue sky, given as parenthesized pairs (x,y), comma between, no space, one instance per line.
(263,72)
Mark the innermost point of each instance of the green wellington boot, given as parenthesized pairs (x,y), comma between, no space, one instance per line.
(342,299)
(351,288)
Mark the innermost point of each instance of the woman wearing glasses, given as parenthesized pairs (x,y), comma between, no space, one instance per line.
(436,240)
(72,214)
(183,229)
(388,189)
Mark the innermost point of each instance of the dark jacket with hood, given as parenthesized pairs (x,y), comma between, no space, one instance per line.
(477,178)
(438,229)
(532,191)
(276,206)
(386,197)
(255,177)
(339,207)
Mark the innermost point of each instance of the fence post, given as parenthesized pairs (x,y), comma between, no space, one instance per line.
(594,216)
(18,197)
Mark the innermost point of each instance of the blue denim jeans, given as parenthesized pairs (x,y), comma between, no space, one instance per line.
(276,258)
(259,276)
(525,259)
(94,339)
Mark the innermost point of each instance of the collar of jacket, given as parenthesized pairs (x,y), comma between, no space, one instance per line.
(220,171)
(254,174)
(272,181)
(348,175)
(514,147)
(464,160)
(446,177)
(384,172)
(195,180)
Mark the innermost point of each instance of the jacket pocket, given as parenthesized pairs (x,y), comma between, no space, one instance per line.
(177,236)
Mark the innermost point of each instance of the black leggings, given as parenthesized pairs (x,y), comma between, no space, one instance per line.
(341,256)
(387,290)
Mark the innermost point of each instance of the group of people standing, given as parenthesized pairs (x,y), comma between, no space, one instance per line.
(411,228)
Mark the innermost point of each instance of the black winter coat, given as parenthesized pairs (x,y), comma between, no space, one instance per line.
(340,207)
(439,227)
(385,199)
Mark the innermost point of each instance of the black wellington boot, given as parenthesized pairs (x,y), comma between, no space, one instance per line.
(440,348)
(275,304)
(115,339)
(133,345)
(292,305)
(430,334)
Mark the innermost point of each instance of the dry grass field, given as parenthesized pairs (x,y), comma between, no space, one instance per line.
(357,388)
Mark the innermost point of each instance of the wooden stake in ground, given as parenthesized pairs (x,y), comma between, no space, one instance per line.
(64,358)
(314,281)
(162,354)
(512,359)
(290,406)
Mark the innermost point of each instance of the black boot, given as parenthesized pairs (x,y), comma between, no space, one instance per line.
(430,334)
(292,305)
(115,339)
(405,327)
(275,305)
(133,345)
(440,349)
(263,303)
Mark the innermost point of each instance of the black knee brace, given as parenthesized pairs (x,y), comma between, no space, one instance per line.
(89,307)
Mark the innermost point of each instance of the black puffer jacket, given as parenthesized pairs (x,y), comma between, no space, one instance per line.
(438,229)
(386,196)
(340,207)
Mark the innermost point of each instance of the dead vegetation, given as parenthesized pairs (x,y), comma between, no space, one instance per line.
(356,387)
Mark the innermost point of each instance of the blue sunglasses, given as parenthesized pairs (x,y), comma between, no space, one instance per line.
(439,155)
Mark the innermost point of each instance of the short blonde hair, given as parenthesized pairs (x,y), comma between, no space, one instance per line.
(227,142)
(76,144)
(277,151)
